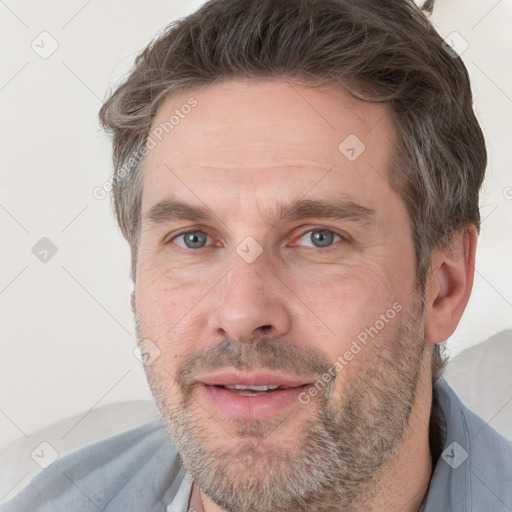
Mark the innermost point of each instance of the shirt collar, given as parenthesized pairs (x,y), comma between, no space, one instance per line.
(181,500)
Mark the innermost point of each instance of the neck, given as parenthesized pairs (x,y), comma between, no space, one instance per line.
(404,482)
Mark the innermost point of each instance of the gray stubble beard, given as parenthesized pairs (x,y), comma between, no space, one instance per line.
(343,447)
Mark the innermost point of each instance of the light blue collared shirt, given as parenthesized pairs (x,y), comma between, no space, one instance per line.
(140,470)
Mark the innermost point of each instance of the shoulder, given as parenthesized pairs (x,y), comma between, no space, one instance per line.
(490,464)
(476,458)
(133,470)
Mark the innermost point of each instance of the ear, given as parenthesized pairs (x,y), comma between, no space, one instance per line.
(449,284)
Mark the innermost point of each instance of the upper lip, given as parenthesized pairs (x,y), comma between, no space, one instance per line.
(232,377)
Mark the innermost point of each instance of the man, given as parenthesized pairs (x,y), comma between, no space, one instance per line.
(298,181)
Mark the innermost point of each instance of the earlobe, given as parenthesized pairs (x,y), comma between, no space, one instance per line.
(449,284)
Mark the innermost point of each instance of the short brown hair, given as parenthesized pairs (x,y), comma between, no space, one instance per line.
(381,51)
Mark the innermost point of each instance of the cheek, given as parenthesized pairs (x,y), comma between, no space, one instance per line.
(348,315)
(168,292)
(348,298)
(167,313)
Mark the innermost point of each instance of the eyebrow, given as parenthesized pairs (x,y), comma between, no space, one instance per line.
(170,210)
(342,208)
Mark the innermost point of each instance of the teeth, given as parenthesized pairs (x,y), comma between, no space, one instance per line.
(252,388)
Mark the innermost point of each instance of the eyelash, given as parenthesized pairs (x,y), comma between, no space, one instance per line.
(344,238)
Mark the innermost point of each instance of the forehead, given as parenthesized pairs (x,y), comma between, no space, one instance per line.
(267,136)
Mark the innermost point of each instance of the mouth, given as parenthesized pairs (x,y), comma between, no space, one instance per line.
(250,396)
(242,390)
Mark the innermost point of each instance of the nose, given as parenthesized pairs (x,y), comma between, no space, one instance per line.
(251,303)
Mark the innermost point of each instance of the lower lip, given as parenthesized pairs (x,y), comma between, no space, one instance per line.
(233,405)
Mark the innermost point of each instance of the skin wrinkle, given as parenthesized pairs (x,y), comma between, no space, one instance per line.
(203,309)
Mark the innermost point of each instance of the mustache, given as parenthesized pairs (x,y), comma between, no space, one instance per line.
(269,353)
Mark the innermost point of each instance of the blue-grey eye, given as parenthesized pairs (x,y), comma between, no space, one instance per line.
(320,237)
(192,239)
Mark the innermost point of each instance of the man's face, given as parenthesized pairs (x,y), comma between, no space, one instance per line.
(266,293)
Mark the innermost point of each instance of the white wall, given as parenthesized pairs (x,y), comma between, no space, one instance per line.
(67,329)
